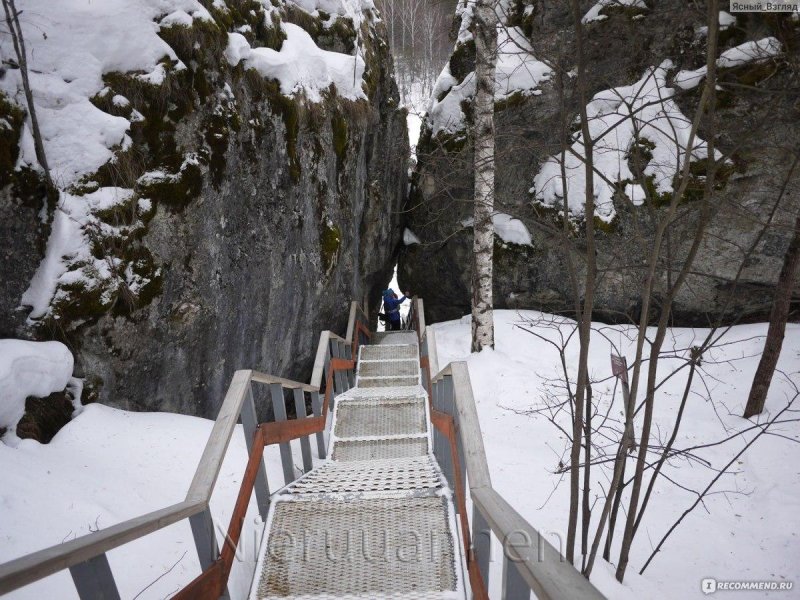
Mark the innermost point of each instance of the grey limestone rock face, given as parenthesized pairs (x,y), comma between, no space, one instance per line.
(757,128)
(288,211)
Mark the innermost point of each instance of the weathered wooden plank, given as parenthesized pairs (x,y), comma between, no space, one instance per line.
(210,463)
(433,361)
(287,383)
(469,427)
(205,539)
(481,544)
(250,425)
(316,409)
(318,373)
(514,586)
(351,320)
(286,431)
(255,459)
(209,585)
(37,565)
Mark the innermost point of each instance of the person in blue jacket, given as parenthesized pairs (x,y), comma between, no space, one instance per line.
(391,307)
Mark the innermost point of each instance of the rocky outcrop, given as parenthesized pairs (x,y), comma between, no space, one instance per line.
(757,128)
(246,217)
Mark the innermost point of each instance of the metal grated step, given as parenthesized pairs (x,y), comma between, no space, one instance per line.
(347,450)
(369,548)
(388,352)
(404,474)
(378,382)
(388,368)
(361,418)
(415,390)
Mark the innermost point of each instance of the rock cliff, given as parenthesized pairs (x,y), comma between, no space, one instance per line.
(254,175)
(630,52)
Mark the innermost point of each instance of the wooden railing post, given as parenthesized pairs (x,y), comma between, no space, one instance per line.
(249,424)
(514,585)
(481,544)
(279,409)
(316,408)
(94,579)
(205,539)
(305,443)
(339,377)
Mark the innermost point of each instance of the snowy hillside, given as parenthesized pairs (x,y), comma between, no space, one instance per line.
(107,466)
(744,529)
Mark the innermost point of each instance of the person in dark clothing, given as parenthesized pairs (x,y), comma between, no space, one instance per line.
(391,307)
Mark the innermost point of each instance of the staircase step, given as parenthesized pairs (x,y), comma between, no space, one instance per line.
(379,382)
(387,368)
(394,475)
(359,548)
(348,450)
(394,337)
(375,352)
(380,418)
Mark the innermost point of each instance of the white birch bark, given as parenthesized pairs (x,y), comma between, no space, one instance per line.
(483,134)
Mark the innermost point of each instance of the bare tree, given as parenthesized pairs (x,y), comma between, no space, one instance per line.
(15,30)
(585,305)
(485,32)
(777,323)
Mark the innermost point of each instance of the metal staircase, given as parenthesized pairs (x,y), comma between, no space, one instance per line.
(377,519)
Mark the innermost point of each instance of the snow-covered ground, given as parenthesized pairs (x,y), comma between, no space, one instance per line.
(110,465)
(749,532)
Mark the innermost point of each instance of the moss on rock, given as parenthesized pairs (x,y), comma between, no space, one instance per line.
(330,239)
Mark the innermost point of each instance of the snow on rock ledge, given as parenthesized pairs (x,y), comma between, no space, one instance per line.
(749,52)
(301,66)
(509,229)
(596,13)
(619,118)
(517,71)
(31,369)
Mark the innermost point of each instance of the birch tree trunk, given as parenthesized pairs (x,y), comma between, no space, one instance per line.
(483,135)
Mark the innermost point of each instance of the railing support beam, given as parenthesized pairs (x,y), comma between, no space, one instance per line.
(514,586)
(94,579)
(249,424)
(279,408)
(204,538)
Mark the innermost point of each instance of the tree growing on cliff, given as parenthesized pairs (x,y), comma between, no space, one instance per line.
(485,32)
(15,31)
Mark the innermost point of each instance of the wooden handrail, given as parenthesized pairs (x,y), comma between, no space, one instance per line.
(286,383)
(37,565)
(543,568)
(352,318)
(211,461)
